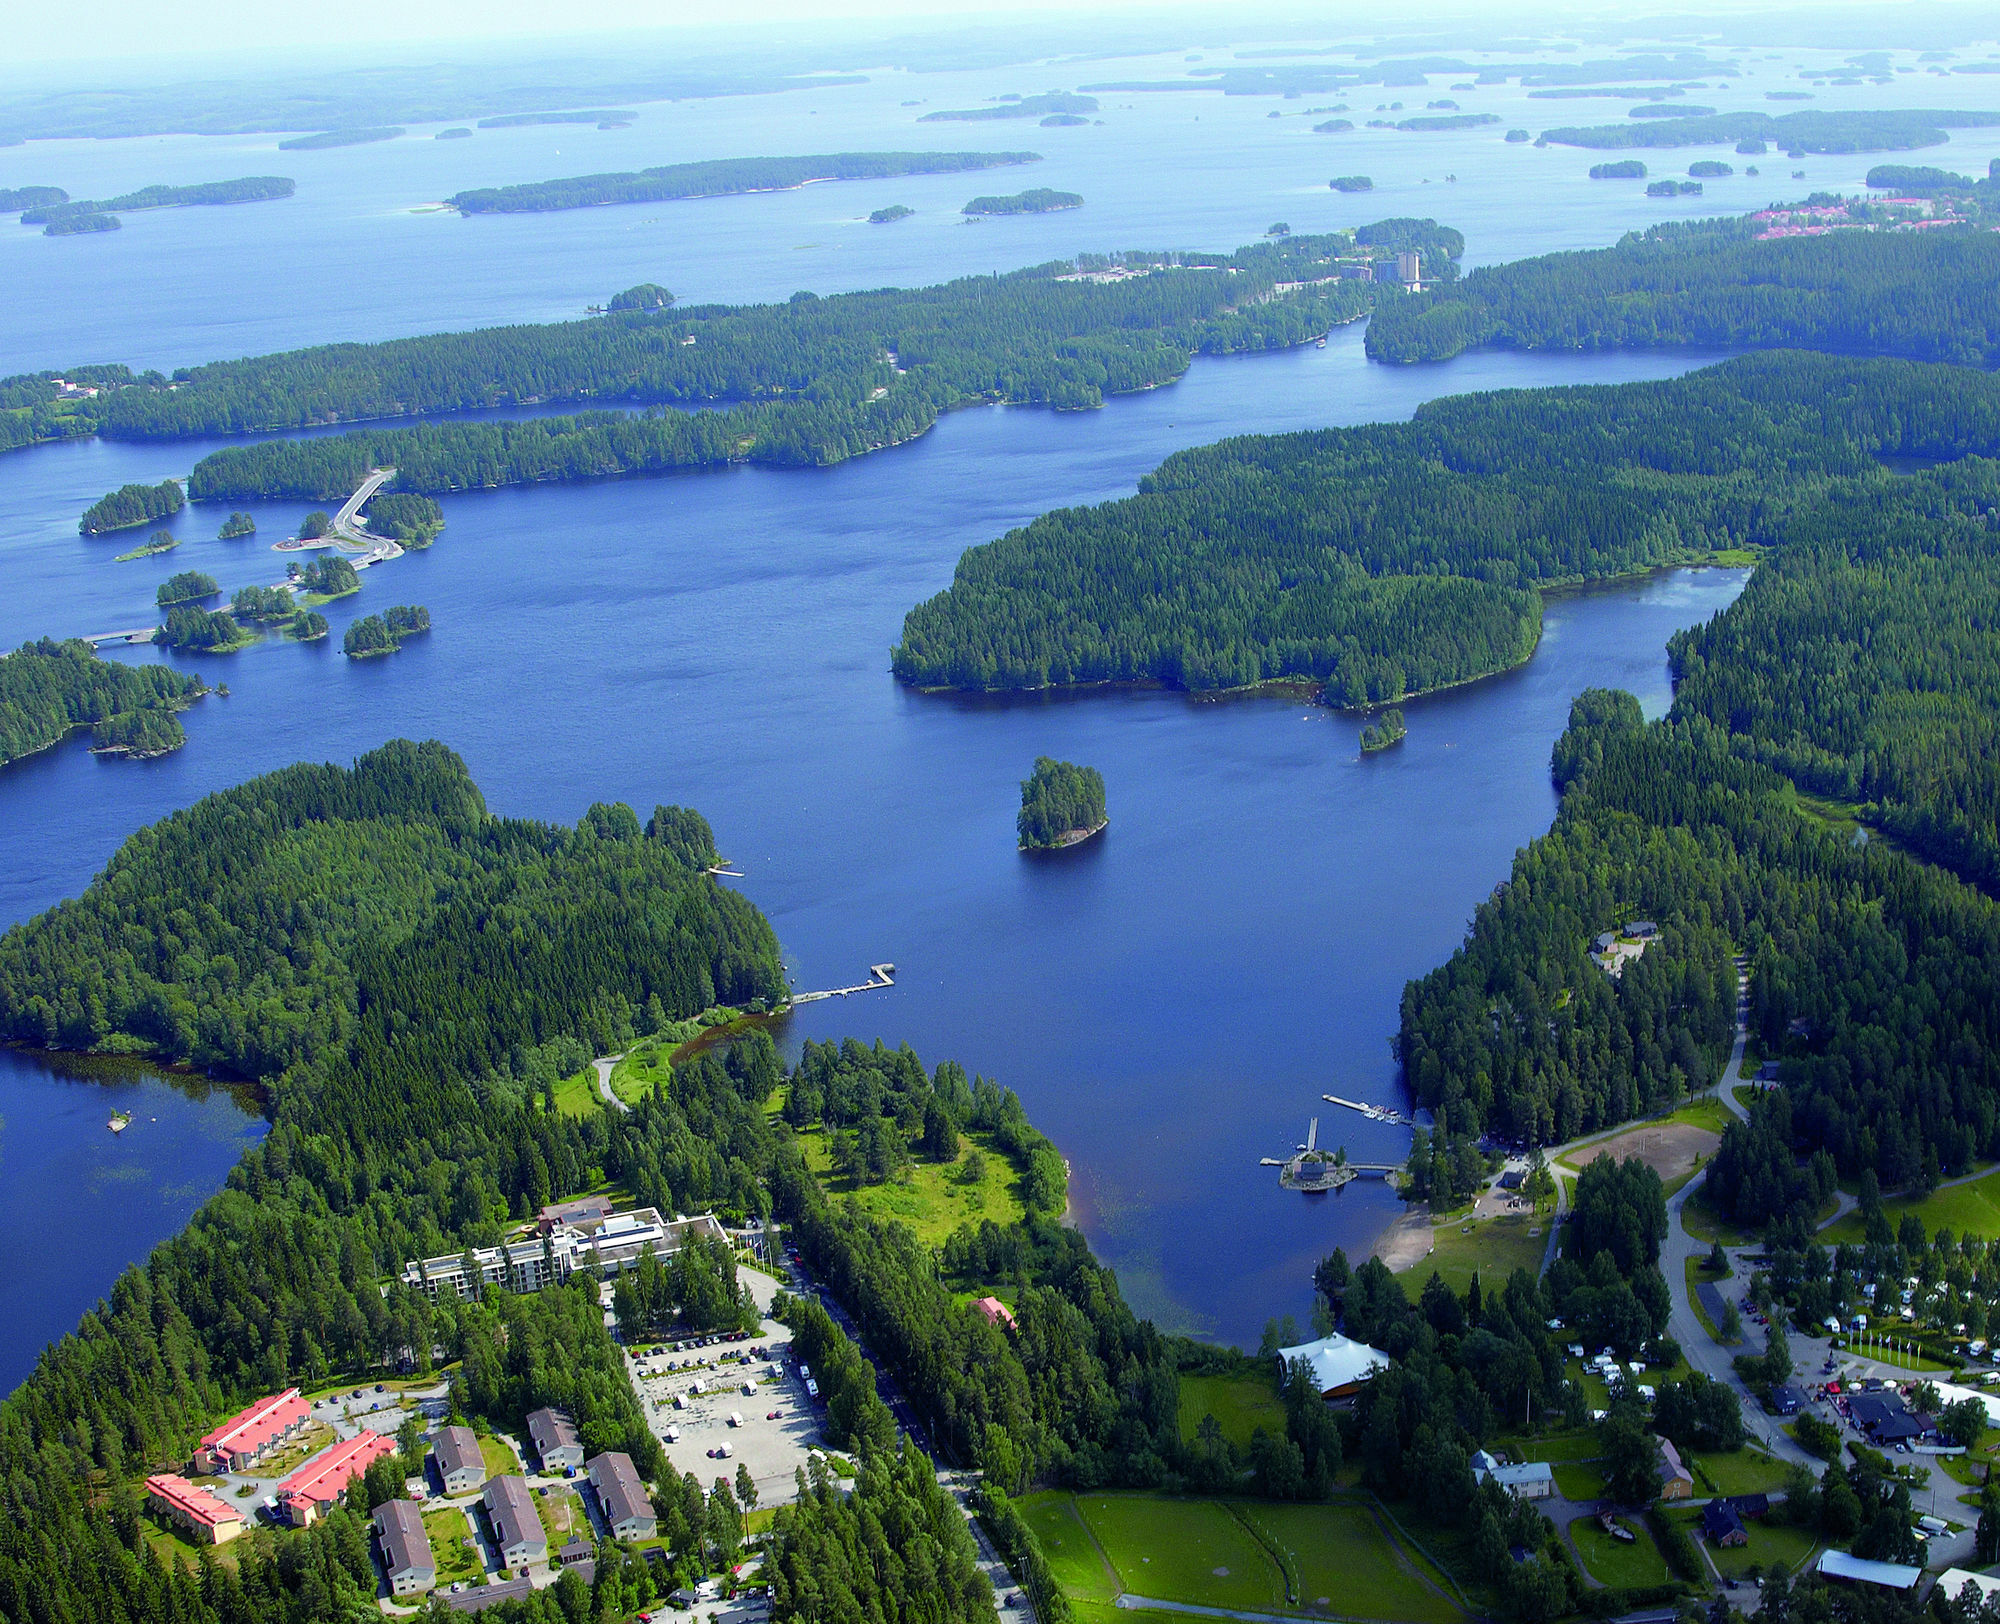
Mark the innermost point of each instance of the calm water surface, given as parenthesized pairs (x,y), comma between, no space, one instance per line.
(1171,1000)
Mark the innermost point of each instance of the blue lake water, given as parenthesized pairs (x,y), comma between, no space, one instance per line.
(1170,1000)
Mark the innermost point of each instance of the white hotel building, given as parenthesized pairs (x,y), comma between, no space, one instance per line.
(610,1244)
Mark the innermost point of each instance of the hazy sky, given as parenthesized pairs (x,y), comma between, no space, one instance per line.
(95,29)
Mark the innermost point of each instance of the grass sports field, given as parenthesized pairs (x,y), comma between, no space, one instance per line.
(1342,1558)
(1240,1405)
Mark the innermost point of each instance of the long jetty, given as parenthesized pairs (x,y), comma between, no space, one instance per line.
(879,975)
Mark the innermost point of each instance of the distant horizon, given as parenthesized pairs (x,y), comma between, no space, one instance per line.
(70,40)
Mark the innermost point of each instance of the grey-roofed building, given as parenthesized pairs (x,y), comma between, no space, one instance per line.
(555,1439)
(517,1527)
(461,1463)
(480,1597)
(627,1508)
(406,1548)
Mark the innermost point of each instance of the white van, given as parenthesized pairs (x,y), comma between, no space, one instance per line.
(736,1418)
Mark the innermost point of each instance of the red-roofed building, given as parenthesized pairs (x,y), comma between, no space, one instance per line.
(243,1440)
(996,1312)
(194,1508)
(315,1485)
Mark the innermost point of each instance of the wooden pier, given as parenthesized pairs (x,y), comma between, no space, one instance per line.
(879,975)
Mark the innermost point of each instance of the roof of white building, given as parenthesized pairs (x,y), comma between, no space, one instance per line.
(1337,1361)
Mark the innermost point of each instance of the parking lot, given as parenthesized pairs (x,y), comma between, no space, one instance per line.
(690,1393)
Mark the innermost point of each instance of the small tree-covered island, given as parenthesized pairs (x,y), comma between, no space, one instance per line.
(1062,804)
(1035,200)
(1378,736)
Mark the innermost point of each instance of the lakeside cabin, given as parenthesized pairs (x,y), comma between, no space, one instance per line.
(1339,1364)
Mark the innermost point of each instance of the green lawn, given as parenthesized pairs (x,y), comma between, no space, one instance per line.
(448,1533)
(500,1460)
(1616,1562)
(1707,1112)
(563,1518)
(935,1200)
(1556,1446)
(1965,1209)
(1492,1248)
(1184,1550)
(1742,1471)
(1348,1564)
(1579,1480)
(1072,1555)
(577,1096)
(1704,1223)
(1241,1404)
(1770,1542)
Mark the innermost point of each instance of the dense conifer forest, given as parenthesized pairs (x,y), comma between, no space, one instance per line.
(1854,666)
(1060,801)
(1382,561)
(1926,295)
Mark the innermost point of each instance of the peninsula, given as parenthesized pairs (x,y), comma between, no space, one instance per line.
(327,139)
(49,689)
(1062,804)
(1054,103)
(722,177)
(62,215)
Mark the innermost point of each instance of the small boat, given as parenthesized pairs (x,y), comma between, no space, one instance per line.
(120,1121)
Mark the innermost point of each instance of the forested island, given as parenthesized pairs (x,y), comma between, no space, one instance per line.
(1351,183)
(1385,561)
(1036,200)
(235,526)
(194,630)
(1674,188)
(816,376)
(1061,805)
(1811,131)
(374,635)
(1054,334)
(1055,103)
(49,689)
(186,587)
(324,140)
(130,506)
(81,223)
(1621,169)
(1447,121)
(61,215)
(404,517)
(890,215)
(1927,295)
(327,577)
(722,177)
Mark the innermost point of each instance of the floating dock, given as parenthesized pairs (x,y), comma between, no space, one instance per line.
(879,975)
(1374,1113)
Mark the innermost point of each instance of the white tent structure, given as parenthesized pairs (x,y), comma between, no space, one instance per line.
(1339,1363)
